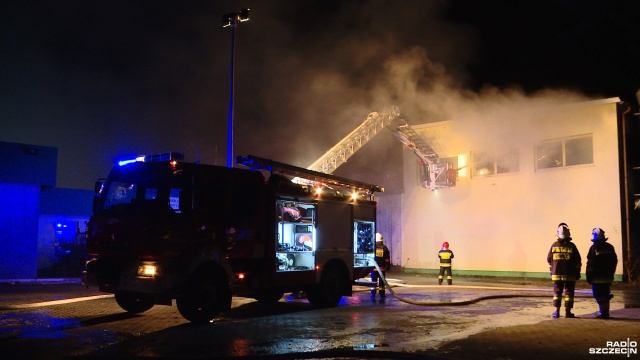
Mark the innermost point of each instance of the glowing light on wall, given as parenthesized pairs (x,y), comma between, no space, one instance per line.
(462,165)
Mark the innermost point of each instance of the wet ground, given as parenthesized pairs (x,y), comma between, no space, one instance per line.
(474,318)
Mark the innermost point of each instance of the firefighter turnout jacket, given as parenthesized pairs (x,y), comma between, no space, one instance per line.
(601,263)
(383,257)
(445,256)
(564,260)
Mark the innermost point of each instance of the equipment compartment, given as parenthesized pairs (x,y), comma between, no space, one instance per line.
(296,237)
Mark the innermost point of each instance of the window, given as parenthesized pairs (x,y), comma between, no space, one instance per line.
(564,152)
(549,155)
(174,199)
(120,193)
(578,151)
(485,163)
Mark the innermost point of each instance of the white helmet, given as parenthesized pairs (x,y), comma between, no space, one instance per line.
(563,231)
(597,234)
(378,237)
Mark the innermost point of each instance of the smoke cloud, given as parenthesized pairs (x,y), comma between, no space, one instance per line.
(103,80)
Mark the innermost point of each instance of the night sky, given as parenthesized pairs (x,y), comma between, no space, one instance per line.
(104,79)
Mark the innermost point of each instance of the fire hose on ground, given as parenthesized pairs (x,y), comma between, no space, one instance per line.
(464,302)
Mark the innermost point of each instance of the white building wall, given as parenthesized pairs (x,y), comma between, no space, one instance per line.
(388,224)
(507,222)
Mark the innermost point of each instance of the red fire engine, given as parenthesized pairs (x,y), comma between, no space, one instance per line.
(165,229)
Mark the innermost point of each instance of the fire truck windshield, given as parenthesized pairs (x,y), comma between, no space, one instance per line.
(142,187)
(121,194)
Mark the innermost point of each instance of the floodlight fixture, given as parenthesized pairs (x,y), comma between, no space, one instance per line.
(231,19)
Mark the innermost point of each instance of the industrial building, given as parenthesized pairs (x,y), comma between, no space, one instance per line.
(41,226)
(514,182)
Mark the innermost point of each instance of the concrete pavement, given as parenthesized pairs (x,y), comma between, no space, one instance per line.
(582,337)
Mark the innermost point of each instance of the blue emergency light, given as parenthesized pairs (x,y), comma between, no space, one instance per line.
(168,156)
(129,161)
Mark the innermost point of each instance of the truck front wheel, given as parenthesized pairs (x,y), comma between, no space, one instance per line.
(203,299)
(133,303)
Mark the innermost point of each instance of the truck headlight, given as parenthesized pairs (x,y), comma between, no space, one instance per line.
(147,270)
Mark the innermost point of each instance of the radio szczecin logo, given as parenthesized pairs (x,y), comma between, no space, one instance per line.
(627,347)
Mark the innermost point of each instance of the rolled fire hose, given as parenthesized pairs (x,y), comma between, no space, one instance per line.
(451,303)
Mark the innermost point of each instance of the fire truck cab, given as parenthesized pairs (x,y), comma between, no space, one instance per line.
(165,229)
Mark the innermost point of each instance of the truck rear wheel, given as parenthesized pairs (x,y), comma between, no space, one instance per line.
(328,292)
(133,303)
(203,299)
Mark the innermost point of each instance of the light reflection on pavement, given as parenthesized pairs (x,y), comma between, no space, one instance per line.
(292,328)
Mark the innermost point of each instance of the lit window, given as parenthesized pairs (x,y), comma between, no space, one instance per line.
(564,152)
(174,199)
(483,164)
(486,163)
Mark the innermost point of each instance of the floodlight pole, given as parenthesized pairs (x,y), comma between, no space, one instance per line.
(230,116)
(231,20)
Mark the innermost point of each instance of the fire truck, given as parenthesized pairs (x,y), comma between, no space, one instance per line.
(163,229)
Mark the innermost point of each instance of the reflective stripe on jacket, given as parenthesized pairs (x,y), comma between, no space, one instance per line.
(564,261)
(383,256)
(445,256)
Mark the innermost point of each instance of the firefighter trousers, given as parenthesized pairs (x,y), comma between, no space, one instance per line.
(601,292)
(569,288)
(375,278)
(443,270)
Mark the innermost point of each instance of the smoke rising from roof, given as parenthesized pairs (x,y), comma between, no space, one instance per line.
(100,80)
(425,92)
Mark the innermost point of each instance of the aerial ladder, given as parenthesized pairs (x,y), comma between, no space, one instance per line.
(434,175)
(339,153)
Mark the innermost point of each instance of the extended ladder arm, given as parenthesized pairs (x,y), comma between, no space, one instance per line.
(413,141)
(351,143)
(438,175)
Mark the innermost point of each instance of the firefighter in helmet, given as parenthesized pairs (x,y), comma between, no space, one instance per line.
(601,266)
(564,265)
(445,255)
(383,259)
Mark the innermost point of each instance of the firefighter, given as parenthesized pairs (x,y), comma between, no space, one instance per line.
(564,266)
(383,259)
(445,256)
(601,266)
